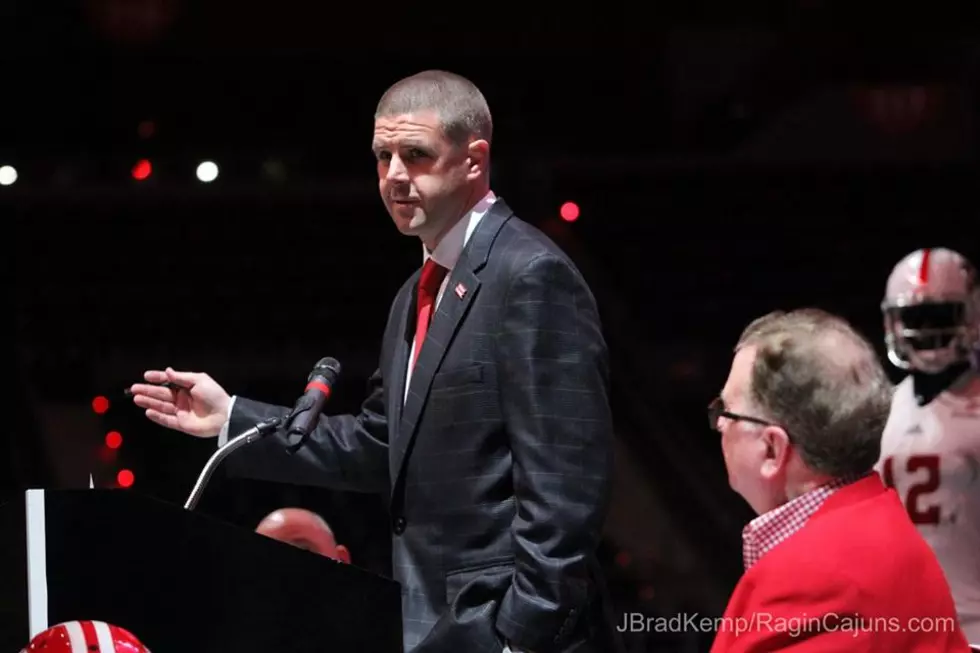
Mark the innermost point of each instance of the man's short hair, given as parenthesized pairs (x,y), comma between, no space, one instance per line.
(461,107)
(823,382)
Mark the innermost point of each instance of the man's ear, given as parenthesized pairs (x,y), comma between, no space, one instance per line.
(777,444)
(478,158)
(343,555)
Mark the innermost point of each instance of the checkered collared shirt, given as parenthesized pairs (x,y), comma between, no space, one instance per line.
(764,532)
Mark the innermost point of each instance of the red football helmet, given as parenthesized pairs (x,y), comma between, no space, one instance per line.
(85,637)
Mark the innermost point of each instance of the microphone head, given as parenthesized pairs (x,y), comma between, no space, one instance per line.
(328,368)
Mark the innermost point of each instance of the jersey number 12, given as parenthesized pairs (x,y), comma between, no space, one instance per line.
(930,463)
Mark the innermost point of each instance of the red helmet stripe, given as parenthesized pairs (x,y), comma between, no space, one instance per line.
(91,639)
(924,268)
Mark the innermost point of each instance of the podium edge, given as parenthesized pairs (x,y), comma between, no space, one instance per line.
(37,567)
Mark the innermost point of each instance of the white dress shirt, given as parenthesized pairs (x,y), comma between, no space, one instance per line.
(446,254)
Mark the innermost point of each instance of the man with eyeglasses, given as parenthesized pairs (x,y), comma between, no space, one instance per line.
(833,562)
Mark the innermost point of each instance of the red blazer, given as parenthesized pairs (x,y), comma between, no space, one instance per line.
(857,577)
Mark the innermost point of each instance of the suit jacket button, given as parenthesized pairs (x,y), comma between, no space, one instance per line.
(399,525)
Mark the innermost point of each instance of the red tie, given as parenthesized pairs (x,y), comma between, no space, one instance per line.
(432,276)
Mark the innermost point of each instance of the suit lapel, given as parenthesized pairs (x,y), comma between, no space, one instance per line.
(462,288)
(399,358)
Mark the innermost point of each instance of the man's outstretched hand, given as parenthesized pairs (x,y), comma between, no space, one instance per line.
(195,405)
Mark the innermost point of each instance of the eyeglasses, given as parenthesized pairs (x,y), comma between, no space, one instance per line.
(716,409)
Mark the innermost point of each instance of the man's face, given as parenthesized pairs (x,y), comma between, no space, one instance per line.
(424,178)
(745,445)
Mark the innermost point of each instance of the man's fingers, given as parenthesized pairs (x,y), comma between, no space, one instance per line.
(183,379)
(155,376)
(169,421)
(156,405)
(154,391)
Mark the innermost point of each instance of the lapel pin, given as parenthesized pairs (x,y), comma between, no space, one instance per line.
(460,290)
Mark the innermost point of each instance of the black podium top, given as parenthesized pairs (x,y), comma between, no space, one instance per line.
(185,582)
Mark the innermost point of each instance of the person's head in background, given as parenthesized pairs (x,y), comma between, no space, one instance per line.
(805,403)
(931,312)
(432,134)
(303,529)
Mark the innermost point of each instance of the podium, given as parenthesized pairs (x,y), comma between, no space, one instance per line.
(180,580)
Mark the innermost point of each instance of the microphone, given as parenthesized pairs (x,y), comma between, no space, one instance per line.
(247,436)
(306,413)
(299,424)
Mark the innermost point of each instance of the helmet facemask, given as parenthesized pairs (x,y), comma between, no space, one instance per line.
(930,336)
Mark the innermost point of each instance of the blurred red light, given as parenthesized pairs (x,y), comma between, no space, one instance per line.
(125,478)
(100,405)
(569,212)
(113,439)
(142,170)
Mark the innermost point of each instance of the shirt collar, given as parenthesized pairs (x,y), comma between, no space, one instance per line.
(449,249)
(767,530)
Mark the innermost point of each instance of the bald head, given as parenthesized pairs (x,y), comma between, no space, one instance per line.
(822,380)
(462,109)
(303,529)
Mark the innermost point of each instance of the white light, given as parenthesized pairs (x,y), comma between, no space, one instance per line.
(207,171)
(8,175)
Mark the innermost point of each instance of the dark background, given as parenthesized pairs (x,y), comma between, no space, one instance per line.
(727,161)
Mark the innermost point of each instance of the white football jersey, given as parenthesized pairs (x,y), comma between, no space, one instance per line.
(931,456)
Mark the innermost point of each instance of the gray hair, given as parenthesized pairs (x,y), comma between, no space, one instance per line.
(463,111)
(823,382)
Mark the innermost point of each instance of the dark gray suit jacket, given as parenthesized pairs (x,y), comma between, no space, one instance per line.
(497,466)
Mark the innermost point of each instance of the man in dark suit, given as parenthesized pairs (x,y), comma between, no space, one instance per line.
(487,424)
